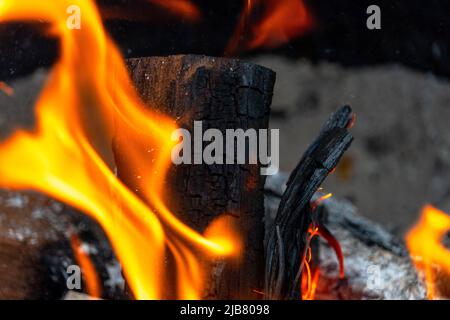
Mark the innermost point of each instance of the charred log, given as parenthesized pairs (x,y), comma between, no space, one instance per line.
(223,94)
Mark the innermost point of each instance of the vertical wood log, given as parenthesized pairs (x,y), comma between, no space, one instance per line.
(223,94)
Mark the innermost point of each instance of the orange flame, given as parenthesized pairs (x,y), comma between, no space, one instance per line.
(284,20)
(424,242)
(309,282)
(90,275)
(88,100)
(280,21)
(182,8)
(316,203)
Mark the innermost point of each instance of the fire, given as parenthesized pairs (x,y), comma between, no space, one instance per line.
(278,22)
(309,278)
(430,256)
(309,282)
(87,102)
(182,8)
(316,203)
(90,275)
(283,20)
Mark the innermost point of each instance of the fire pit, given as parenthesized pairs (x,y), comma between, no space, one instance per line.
(161,176)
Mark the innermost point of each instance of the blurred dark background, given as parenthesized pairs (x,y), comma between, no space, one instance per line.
(414,33)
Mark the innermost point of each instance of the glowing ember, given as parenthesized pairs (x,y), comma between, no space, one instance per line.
(430,257)
(309,282)
(310,278)
(280,21)
(87,101)
(334,244)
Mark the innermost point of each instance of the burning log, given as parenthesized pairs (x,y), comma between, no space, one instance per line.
(288,237)
(223,94)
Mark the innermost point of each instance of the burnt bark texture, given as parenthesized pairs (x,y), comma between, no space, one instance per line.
(288,238)
(35,249)
(223,94)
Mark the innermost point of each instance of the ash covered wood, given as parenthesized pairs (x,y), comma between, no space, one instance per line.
(287,238)
(26,239)
(223,94)
(35,250)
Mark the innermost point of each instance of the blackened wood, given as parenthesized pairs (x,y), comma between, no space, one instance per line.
(224,94)
(285,253)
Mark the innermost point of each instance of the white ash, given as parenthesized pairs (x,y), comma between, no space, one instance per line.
(25,215)
(115,276)
(371,271)
(88,248)
(17,201)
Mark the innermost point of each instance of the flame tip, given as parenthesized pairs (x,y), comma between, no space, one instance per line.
(424,242)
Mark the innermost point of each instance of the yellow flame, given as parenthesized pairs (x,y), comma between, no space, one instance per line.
(424,242)
(87,102)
